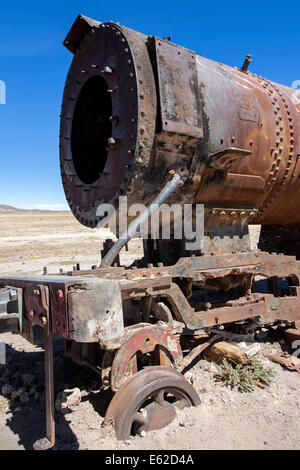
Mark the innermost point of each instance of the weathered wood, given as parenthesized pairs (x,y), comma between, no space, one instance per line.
(223,350)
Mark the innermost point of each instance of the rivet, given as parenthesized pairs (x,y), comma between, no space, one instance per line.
(107,69)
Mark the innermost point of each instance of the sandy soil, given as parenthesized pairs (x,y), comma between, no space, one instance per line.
(225,419)
(30,241)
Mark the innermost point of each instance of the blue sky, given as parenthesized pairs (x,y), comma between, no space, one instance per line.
(33,64)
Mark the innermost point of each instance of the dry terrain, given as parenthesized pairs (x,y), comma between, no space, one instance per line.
(226,419)
(31,240)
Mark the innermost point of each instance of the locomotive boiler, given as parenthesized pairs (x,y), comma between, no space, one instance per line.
(145,118)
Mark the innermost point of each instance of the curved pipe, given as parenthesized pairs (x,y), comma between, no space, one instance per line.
(140,220)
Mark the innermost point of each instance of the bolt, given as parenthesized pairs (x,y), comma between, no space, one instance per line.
(107,70)
(111,141)
(246,63)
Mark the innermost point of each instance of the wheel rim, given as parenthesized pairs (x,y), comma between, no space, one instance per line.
(148,401)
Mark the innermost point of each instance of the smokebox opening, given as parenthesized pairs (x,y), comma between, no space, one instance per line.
(91,129)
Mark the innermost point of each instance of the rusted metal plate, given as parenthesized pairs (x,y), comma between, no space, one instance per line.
(146,340)
(109,90)
(40,293)
(244,182)
(179,91)
(83,309)
(291,335)
(81,26)
(248,114)
(89,309)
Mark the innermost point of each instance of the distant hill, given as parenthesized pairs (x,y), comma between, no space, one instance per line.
(5,209)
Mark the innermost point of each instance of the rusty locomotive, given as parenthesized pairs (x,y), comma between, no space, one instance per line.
(144,117)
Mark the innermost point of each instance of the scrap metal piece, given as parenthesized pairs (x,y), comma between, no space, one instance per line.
(286,360)
(48,441)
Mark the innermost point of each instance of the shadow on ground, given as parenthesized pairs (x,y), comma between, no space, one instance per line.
(28,421)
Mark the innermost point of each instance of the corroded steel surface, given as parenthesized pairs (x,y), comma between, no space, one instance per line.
(234,133)
(97,151)
(145,340)
(220,272)
(246,111)
(130,405)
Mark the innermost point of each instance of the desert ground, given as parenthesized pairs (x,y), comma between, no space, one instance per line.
(266,418)
(30,241)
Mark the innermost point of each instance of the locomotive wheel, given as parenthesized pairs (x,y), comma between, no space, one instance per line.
(148,401)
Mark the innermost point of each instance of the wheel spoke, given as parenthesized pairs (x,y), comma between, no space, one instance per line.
(140,418)
(159,397)
(152,394)
(180,404)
